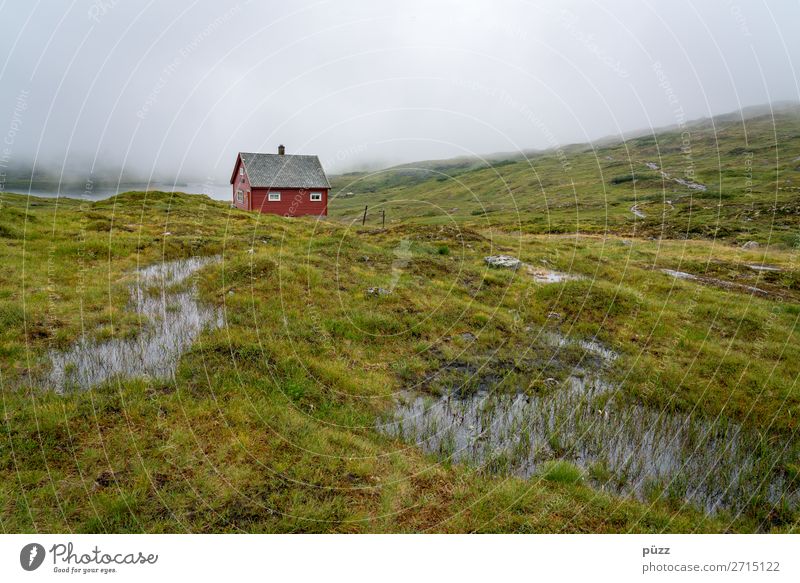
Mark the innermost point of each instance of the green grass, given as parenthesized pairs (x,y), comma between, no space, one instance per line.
(561,472)
(269,423)
(751,170)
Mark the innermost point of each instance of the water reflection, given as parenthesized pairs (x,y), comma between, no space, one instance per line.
(173,318)
(622,447)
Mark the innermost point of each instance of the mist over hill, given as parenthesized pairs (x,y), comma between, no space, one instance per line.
(735,177)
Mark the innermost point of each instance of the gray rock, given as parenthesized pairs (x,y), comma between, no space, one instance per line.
(505,261)
(467,337)
(378,291)
(751,245)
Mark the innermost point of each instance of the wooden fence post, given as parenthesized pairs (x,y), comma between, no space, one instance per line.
(383,219)
(364,219)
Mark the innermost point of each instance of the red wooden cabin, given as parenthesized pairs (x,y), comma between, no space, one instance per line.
(288,185)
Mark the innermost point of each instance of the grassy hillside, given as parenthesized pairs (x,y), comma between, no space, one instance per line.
(750,171)
(271,423)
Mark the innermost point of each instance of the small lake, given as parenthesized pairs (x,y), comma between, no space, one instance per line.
(172,318)
(100,191)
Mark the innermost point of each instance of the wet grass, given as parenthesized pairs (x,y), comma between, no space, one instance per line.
(164,298)
(562,472)
(654,455)
(268,423)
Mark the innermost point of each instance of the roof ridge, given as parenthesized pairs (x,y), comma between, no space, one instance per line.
(266,170)
(281,155)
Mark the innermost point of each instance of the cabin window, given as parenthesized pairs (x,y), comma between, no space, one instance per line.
(274,196)
(316,196)
(241,170)
(239,196)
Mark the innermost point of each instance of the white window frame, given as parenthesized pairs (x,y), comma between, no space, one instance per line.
(239,196)
(241,170)
(274,197)
(318,196)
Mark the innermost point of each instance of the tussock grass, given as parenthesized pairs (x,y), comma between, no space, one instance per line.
(268,424)
(561,472)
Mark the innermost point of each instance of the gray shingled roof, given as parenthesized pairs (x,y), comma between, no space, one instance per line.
(288,171)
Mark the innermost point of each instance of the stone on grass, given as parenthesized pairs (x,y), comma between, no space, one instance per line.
(505,261)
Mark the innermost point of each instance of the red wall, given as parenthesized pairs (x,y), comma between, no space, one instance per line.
(243,186)
(294,202)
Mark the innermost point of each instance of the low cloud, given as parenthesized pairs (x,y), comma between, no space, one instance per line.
(173,90)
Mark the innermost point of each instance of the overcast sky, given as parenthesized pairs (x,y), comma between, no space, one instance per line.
(176,89)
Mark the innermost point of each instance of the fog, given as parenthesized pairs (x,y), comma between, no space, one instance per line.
(173,90)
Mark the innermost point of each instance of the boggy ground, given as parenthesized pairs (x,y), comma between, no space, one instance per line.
(269,423)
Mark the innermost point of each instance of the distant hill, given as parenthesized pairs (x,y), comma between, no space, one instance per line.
(736,177)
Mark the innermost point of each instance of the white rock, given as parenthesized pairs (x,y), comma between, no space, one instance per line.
(503,261)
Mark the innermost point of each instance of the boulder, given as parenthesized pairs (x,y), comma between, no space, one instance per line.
(504,261)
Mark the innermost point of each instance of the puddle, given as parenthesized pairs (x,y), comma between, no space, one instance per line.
(173,318)
(680,274)
(541,275)
(729,285)
(637,213)
(590,346)
(764,268)
(690,184)
(622,448)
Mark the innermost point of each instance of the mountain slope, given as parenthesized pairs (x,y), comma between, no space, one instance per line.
(720,178)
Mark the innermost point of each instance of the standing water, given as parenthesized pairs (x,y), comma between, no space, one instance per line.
(621,447)
(173,318)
